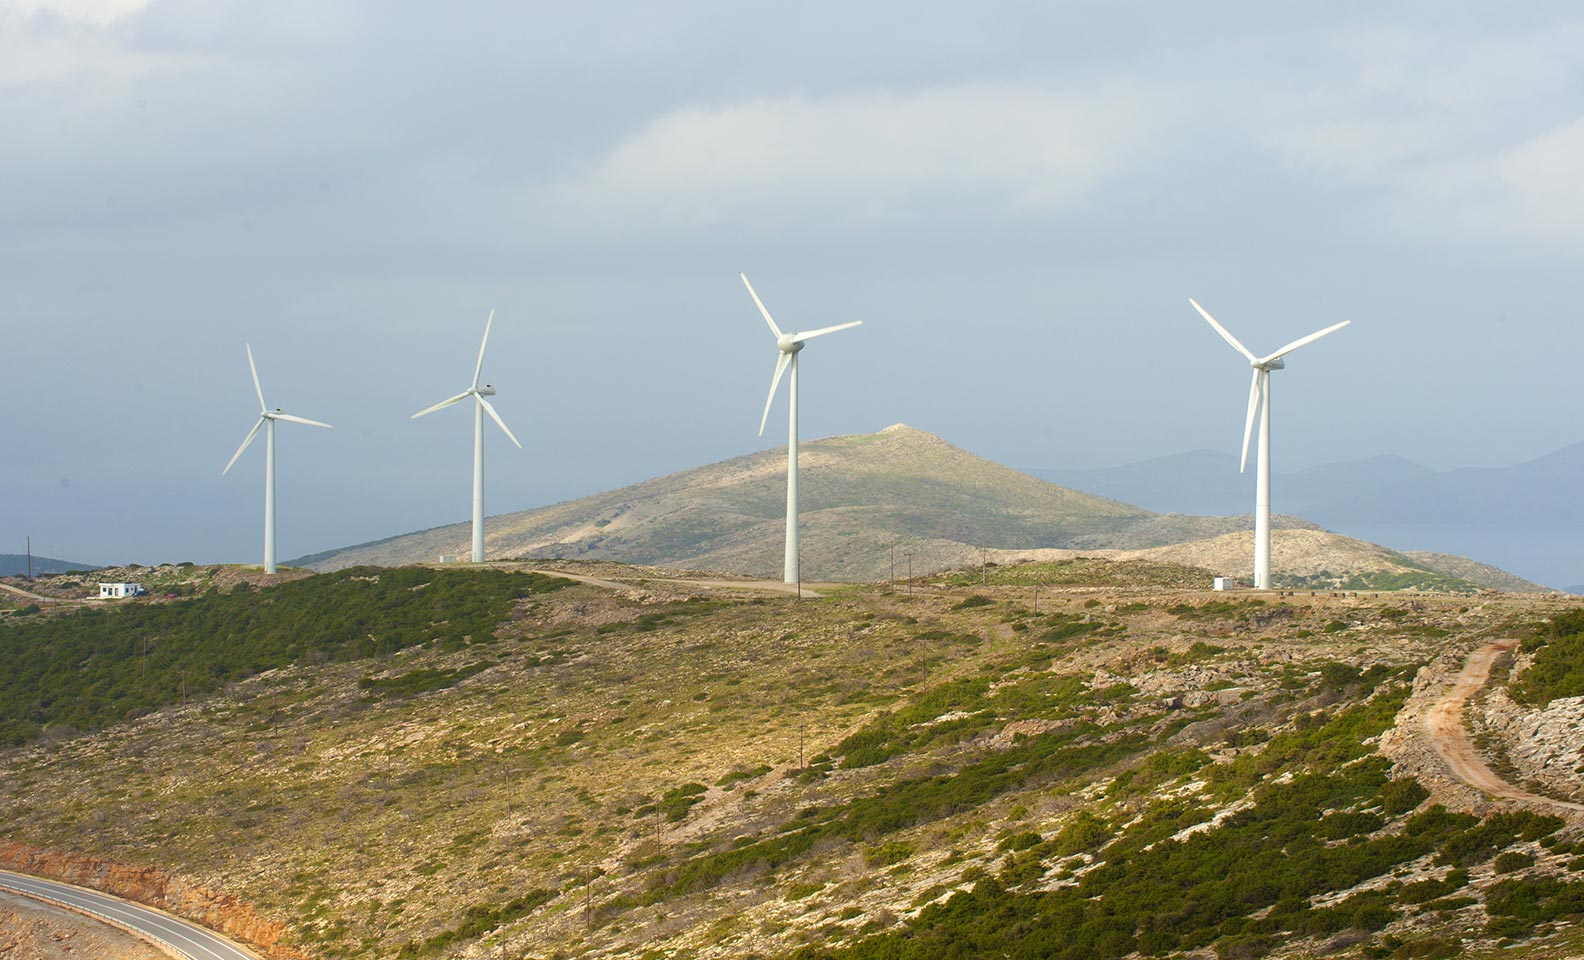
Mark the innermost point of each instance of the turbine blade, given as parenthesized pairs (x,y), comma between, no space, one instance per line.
(800,337)
(760,304)
(1248,425)
(442,404)
(496,417)
(478,368)
(1303,340)
(1225,334)
(311,423)
(781,365)
(251,434)
(263,407)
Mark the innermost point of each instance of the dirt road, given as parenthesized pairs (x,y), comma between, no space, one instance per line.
(1444,726)
(774,586)
(36,598)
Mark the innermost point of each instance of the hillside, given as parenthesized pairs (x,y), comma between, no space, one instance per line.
(1303,559)
(861,495)
(1315,559)
(16,565)
(641,767)
(1522,517)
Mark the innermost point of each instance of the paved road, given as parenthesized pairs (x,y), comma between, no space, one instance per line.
(182,938)
(1444,723)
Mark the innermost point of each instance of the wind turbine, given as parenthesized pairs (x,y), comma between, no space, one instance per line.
(1259,399)
(266,420)
(480,407)
(789,344)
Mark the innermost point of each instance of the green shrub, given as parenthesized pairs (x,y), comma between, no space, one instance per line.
(1401,796)
(90,668)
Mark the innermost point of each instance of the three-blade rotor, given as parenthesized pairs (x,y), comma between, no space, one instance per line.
(475,391)
(1262,368)
(265,415)
(788,344)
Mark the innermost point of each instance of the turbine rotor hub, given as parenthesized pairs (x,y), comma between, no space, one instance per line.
(788,344)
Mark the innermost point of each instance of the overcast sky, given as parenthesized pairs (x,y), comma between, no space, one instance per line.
(1017,199)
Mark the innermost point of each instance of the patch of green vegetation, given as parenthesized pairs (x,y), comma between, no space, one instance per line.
(976,600)
(419,681)
(1044,759)
(961,709)
(676,802)
(1517,906)
(90,668)
(1215,609)
(1378,581)
(1088,572)
(1065,626)
(1244,887)
(478,920)
(1558,667)
(735,776)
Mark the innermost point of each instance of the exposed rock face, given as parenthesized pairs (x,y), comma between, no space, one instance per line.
(1547,746)
(34,931)
(156,888)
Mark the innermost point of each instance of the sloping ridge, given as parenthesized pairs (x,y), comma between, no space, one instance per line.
(860,495)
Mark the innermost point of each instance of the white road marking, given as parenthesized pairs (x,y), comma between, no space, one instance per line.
(185,939)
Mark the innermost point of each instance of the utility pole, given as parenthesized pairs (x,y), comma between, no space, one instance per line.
(800,577)
(984,566)
(910,574)
(184,686)
(1036,598)
(892,582)
(30,557)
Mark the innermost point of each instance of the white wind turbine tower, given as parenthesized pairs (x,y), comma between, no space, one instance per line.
(1259,400)
(480,407)
(266,420)
(789,344)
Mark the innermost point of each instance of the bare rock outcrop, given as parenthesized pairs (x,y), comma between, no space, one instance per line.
(156,888)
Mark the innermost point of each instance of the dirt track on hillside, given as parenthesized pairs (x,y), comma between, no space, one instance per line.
(1443,724)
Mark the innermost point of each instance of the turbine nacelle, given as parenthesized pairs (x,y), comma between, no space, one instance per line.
(265,414)
(1277,364)
(485,391)
(788,344)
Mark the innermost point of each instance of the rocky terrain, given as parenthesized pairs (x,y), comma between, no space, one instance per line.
(868,499)
(30,930)
(641,765)
(861,496)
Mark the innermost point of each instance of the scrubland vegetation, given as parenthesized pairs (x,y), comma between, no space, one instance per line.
(463,763)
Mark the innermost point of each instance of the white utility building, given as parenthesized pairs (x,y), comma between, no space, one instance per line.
(120,591)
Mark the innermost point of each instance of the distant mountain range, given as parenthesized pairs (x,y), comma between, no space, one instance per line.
(1527,518)
(862,496)
(16,565)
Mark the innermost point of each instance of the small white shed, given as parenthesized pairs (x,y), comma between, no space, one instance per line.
(120,591)
(1225,583)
